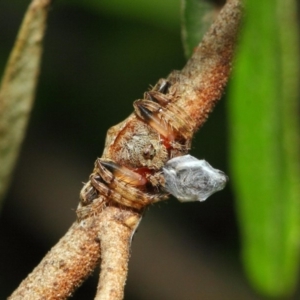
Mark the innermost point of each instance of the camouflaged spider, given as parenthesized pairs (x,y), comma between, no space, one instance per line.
(158,131)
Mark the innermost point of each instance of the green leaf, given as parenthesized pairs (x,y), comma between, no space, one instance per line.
(264,132)
(197,16)
(18,88)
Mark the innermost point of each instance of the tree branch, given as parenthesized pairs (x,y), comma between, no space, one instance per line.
(116,230)
(110,207)
(202,80)
(66,265)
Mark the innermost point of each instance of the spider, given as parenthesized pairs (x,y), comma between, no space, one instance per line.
(130,170)
(144,158)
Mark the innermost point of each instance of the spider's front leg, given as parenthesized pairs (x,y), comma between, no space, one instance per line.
(159,110)
(152,113)
(88,194)
(173,124)
(160,93)
(122,185)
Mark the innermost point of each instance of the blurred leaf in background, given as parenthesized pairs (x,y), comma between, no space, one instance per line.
(196,17)
(163,14)
(263,108)
(18,87)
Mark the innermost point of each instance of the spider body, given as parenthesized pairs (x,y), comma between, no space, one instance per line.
(130,170)
(138,145)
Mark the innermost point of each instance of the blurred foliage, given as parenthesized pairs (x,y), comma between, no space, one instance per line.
(264,138)
(163,14)
(17,90)
(264,141)
(197,16)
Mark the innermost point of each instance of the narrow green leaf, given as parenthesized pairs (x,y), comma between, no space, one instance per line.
(18,87)
(197,16)
(264,133)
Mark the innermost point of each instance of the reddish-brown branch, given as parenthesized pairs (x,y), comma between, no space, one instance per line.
(195,91)
(77,254)
(117,228)
(201,82)
(66,265)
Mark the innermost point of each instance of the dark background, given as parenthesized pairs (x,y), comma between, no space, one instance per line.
(95,64)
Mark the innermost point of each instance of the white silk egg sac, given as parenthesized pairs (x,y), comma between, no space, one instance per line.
(190,179)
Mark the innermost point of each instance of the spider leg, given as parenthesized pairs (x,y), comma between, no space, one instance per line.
(169,121)
(88,194)
(162,86)
(100,186)
(181,121)
(109,170)
(149,111)
(115,183)
(158,97)
(112,194)
(84,211)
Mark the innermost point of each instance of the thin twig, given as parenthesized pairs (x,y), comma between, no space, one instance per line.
(112,209)
(77,254)
(116,230)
